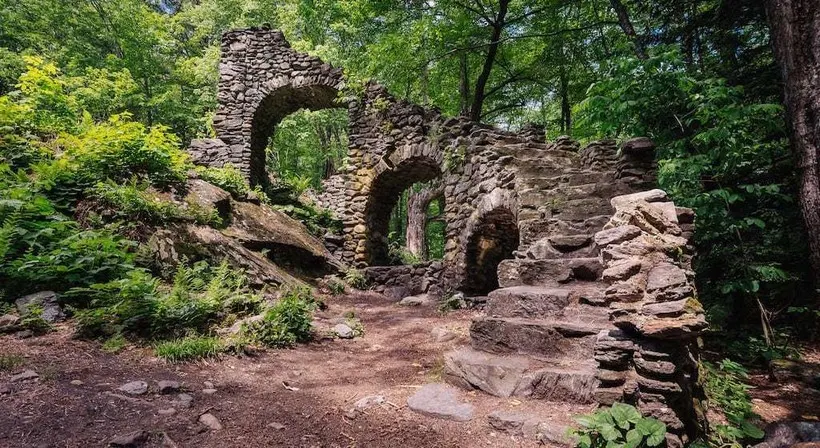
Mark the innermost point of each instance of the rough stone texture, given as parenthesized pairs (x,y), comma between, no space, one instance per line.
(47,301)
(788,434)
(343,331)
(210,421)
(131,440)
(24,375)
(440,401)
(134,388)
(9,323)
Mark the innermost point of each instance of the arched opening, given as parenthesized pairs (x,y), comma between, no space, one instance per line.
(494,238)
(417,227)
(385,194)
(270,112)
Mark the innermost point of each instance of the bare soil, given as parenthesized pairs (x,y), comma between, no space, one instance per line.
(396,355)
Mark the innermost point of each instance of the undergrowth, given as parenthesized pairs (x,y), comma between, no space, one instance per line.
(190,348)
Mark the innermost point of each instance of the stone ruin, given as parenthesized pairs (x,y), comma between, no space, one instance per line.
(583,267)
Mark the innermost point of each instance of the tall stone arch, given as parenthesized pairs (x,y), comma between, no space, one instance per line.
(261,81)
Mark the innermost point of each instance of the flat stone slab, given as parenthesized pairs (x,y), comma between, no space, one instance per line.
(440,401)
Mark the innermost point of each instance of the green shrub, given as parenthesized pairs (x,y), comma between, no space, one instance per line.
(318,221)
(336,286)
(620,425)
(228,178)
(10,362)
(725,387)
(355,278)
(114,344)
(33,321)
(190,348)
(287,322)
(135,201)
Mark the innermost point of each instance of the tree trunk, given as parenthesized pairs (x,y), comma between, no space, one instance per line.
(464,84)
(489,61)
(566,108)
(795,33)
(417,205)
(629,30)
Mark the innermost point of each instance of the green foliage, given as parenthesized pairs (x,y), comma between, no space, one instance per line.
(228,178)
(355,278)
(400,255)
(317,220)
(725,387)
(114,344)
(336,286)
(33,321)
(137,202)
(10,362)
(620,425)
(287,322)
(189,348)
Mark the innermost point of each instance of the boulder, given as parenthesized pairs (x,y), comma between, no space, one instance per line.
(787,434)
(440,401)
(343,331)
(210,421)
(208,196)
(419,300)
(24,376)
(131,440)
(9,323)
(134,388)
(168,386)
(47,301)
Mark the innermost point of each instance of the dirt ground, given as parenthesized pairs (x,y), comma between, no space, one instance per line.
(396,355)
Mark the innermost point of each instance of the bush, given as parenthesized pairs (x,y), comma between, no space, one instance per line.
(287,322)
(228,178)
(190,348)
(620,425)
(355,278)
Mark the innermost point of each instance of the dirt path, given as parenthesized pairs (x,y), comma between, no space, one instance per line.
(396,355)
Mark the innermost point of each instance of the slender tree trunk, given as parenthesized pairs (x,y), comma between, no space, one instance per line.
(417,205)
(464,84)
(489,61)
(566,109)
(795,32)
(629,30)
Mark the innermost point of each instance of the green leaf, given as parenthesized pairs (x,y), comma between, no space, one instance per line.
(633,438)
(751,430)
(624,415)
(609,432)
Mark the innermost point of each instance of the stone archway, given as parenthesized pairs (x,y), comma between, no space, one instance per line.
(384,191)
(283,99)
(491,235)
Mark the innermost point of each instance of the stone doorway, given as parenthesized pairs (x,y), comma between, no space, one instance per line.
(495,238)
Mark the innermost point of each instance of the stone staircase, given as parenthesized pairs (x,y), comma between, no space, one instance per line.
(538,335)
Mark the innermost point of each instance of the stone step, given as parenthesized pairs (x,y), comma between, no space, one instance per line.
(553,272)
(543,302)
(536,229)
(562,246)
(504,376)
(542,338)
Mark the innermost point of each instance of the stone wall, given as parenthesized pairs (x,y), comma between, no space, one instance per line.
(398,282)
(651,358)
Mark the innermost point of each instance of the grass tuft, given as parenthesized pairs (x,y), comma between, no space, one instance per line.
(190,348)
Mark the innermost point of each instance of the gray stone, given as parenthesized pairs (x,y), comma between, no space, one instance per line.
(9,323)
(369,402)
(787,434)
(209,391)
(210,421)
(443,334)
(276,425)
(134,388)
(622,270)
(508,422)
(419,300)
(440,401)
(24,375)
(495,375)
(616,235)
(130,440)
(343,331)
(183,400)
(168,386)
(76,383)
(665,275)
(47,301)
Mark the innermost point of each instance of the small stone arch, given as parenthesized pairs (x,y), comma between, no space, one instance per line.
(277,100)
(393,174)
(490,236)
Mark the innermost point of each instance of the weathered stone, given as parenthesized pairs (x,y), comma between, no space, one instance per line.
(616,235)
(440,401)
(622,270)
(9,323)
(208,197)
(343,331)
(45,301)
(665,275)
(498,376)
(419,300)
(24,375)
(443,334)
(131,440)
(790,434)
(134,388)
(210,421)
(167,386)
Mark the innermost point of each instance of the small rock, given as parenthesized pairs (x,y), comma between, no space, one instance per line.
(134,388)
(169,411)
(76,383)
(369,402)
(509,422)
(276,425)
(419,300)
(183,401)
(25,334)
(167,386)
(209,391)
(168,442)
(208,385)
(9,323)
(343,331)
(210,421)
(443,334)
(131,440)
(24,375)
(440,401)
